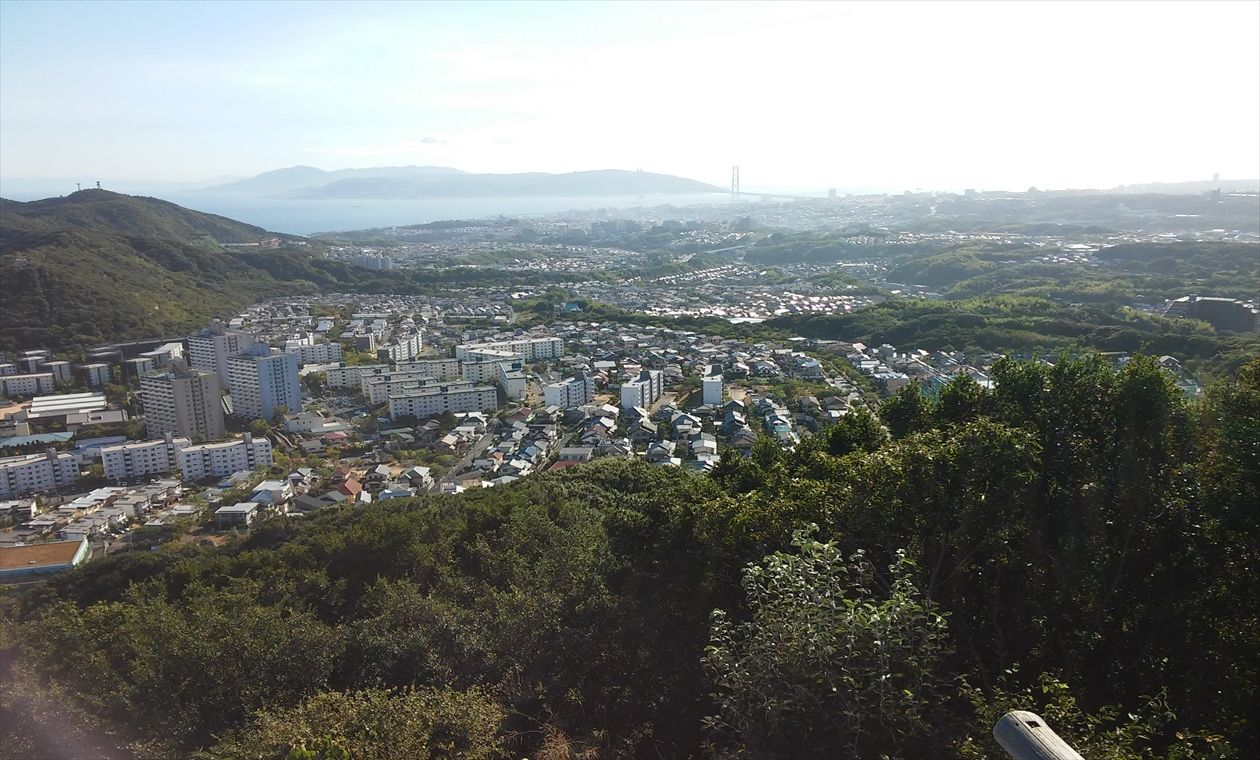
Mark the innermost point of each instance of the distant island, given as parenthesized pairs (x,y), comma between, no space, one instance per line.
(308,182)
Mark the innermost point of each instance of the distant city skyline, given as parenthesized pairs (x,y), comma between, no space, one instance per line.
(811,95)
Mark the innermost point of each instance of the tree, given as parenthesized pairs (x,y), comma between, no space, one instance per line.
(908,412)
(833,660)
(373,724)
(315,382)
(961,400)
(117,395)
(856,431)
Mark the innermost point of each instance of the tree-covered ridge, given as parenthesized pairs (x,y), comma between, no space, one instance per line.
(97,266)
(1077,541)
(1148,272)
(1028,324)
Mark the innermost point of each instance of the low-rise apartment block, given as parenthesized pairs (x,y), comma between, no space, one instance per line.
(351,376)
(95,375)
(442,369)
(223,459)
(314,353)
(504,368)
(529,349)
(379,389)
(28,385)
(644,390)
(62,371)
(404,349)
(33,473)
(575,391)
(432,402)
(136,460)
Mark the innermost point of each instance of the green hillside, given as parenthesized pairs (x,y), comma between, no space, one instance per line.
(97,266)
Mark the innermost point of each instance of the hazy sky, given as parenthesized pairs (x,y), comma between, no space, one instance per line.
(894,95)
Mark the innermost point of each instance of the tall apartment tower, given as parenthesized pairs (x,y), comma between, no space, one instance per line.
(210,349)
(184,402)
(262,381)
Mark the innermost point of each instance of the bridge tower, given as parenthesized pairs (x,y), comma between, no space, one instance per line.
(734,183)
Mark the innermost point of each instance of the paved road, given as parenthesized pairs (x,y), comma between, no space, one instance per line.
(465,462)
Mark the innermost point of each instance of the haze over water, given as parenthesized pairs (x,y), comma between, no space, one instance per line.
(308,216)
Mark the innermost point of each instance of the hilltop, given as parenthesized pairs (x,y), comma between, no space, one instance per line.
(305,182)
(299,177)
(95,266)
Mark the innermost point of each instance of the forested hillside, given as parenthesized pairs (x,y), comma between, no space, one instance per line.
(1078,542)
(1028,324)
(97,266)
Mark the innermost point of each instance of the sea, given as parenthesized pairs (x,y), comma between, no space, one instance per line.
(307,217)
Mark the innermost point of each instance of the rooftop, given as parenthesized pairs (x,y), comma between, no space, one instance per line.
(38,555)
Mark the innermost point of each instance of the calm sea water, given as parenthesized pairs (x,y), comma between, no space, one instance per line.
(304,217)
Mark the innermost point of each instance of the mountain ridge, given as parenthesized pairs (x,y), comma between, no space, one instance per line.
(308,182)
(297,177)
(97,266)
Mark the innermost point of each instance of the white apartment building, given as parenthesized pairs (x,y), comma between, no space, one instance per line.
(138,367)
(28,385)
(136,460)
(442,369)
(96,375)
(184,402)
(32,473)
(575,391)
(374,261)
(432,402)
(222,459)
(644,390)
(511,378)
(368,379)
(350,377)
(30,361)
(404,349)
(481,366)
(166,354)
(62,371)
(314,353)
(210,350)
(503,368)
(262,382)
(380,389)
(711,386)
(529,349)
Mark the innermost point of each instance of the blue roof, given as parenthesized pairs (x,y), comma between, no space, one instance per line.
(25,440)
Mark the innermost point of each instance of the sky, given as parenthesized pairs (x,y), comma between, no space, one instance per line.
(895,95)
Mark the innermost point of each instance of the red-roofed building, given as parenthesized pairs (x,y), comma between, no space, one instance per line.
(350,488)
